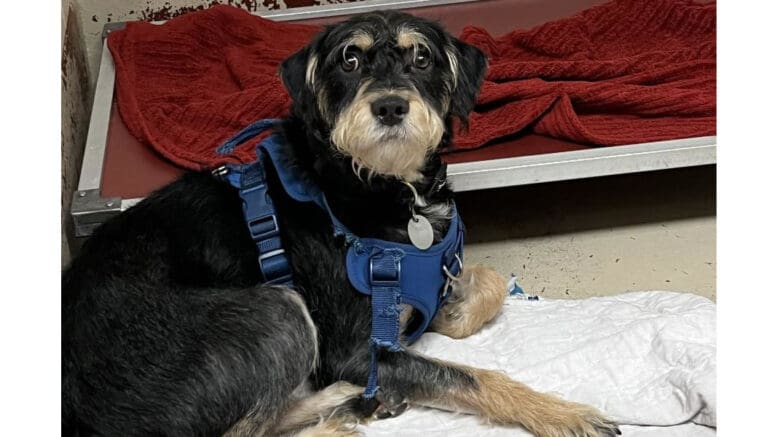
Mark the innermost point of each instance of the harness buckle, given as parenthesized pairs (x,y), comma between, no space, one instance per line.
(385,270)
(275,267)
(259,212)
(264,227)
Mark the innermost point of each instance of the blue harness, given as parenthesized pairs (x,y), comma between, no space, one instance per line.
(391,273)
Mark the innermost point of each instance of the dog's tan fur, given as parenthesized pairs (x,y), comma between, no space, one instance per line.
(360,39)
(477,296)
(331,428)
(502,400)
(400,151)
(318,411)
(408,37)
(310,415)
(248,426)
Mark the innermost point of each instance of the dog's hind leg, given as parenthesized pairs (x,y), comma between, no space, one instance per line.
(486,393)
(186,361)
(476,298)
(335,410)
(293,353)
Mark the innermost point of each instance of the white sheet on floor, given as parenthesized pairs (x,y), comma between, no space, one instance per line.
(646,359)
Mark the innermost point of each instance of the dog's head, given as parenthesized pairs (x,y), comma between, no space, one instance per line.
(382,88)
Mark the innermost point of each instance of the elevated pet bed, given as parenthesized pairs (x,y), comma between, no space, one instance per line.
(623,86)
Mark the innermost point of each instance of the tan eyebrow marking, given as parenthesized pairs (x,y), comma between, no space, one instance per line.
(407,37)
(360,39)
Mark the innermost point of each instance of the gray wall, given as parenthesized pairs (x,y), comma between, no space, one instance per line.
(75,113)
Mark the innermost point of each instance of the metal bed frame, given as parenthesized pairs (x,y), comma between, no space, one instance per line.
(89,208)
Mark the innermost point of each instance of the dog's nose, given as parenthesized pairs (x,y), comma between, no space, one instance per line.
(390,110)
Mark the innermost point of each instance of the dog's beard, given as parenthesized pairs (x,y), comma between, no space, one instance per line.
(399,150)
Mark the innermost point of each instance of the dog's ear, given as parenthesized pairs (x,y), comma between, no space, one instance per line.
(295,75)
(469,64)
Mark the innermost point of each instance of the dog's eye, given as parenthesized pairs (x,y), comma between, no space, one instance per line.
(350,61)
(422,58)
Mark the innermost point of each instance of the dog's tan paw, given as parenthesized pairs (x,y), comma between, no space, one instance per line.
(476,298)
(577,420)
(331,428)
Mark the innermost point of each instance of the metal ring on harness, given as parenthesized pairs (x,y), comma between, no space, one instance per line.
(449,274)
(451,277)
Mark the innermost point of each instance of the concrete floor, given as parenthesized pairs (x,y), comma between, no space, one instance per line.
(601,236)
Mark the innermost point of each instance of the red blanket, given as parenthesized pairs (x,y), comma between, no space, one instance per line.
(625,72)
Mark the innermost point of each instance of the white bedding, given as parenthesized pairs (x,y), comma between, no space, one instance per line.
(646,359)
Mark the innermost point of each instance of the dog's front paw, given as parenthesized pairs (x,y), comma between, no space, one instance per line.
(476,298)
(577,420)
(384,405)
(390,404)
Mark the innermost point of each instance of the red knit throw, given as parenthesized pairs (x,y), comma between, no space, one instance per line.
(628,71)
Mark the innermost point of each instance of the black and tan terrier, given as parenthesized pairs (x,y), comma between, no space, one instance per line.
(168,329)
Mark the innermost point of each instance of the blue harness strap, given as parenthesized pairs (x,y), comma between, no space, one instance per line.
(385,273)
(392,273)
(258,209)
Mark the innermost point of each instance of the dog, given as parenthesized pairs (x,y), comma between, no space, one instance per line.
(168,328)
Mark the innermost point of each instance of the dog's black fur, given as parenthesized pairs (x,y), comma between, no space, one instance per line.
(167,327)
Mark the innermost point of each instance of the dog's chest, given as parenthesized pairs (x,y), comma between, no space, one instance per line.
(438,214)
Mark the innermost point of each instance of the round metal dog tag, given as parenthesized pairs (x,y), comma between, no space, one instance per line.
(420,232)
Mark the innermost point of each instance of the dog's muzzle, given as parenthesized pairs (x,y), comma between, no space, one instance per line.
(390,110)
